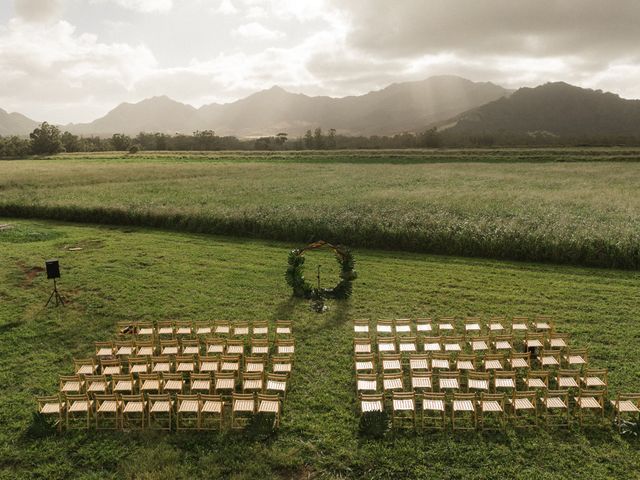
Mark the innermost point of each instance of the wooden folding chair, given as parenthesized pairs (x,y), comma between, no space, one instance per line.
(277,383)
(187,412)
(224,383)
(54,406)
(111,366)
(519,361)
(502,342)
(558,340)
(361,345)
(391,362)
(215,345)
(124,383)
(576,357)
(107,408)
(136,365)
(104,349)
(253,383)
(145,348)
(145,329)
(543,323)
(284,327)
(282,364)
(84,366)
(556,408)
(124,348)
(169,347)
(259,328)
(366,383)
(472,326)
(440,361)
(184,328)
(159,411)
(418,362)
(452,344)
(208,364)
(449,381)
(162,364)
(270,405)
(96,384)
(78,407)
(504,380)
(259,346)
(189,346)
(384,327)
(166,328)
(242,404)
(478,381)
(387,345)
(432,344)
(464,403)
(185,363)
(496,324)
(403,326)
(200,383)
(133,408)
(590,401)
(255,364)
(423,325)
(433,410)
(595,378)
(240,329)
(150,383)
(371,403)
(285,346)
(491,404)
(70,384)
(524,408)
(172,383)
(230,364)
(446,324)
(537,380)
(626,404)
(203,328)
(221,327)
(519,324)
(421,381)
(549,358)
(479,344)
(211,406)
(534,340)
(493,361)
(466,363)
(403,402)
(365,363)
(407,344)
(392,382)
(361,326)
(568,379)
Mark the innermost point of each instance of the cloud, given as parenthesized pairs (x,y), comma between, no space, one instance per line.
(38,10)
(258,31)
(226,7)
(144,6)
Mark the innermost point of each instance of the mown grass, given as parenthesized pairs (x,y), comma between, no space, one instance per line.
(536,205)
(145,274)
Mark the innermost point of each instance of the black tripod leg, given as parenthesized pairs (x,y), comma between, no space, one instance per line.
(50,298)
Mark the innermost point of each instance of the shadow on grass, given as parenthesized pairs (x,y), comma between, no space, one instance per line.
(285,309)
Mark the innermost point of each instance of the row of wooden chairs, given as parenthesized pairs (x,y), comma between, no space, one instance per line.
(184,364)
(369,362)
(408,344)
(491,411)
(173,328)
(456,380)
(211,345)
(220,382)
(157,411)
(469,325)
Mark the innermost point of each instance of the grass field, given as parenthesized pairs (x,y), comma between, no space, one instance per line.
(566,206)
(131,273)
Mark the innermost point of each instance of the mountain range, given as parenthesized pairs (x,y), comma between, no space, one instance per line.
(450,103)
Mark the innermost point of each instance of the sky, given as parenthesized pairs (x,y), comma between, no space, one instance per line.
(74,60)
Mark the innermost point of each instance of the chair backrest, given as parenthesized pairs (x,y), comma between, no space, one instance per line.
(110,362)
(505,374)
(162,359)
(423,324)
(149,376)
(465,396)
(44,399)
(404,396)
(493,397)
(103,345)
(221,327)
(241,328)
(447,320)
(540,375)
(260,327)
(242,397)
(152,398)
(494,356)
(598,395)
(200,376)
(563,394)
(172,376)
(567,373)
(186,359)
(450,374)
(254,360)
(188,342)
(531,395)
(225,375)
(180,398)
(463,357)
(521,356)
(78,363)
(403,323)
(252,376)
(283,326)
(601,373)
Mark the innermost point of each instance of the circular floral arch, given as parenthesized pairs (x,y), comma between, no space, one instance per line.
(302,288)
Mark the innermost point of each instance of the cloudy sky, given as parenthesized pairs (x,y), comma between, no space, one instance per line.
(73,60)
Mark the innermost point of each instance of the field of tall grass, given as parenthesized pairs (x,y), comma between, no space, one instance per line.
(565,206)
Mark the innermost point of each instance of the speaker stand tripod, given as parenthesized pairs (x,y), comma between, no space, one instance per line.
(55,295)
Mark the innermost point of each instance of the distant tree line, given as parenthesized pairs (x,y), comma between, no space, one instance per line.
(48,140)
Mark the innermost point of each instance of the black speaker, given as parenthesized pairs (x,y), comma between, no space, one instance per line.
(53,268)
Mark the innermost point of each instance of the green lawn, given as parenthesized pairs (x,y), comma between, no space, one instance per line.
(539,205)
(131,273)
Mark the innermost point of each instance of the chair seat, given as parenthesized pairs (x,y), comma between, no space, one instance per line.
(465,365)
(523,404)
(558,343)
(445,326)
(201,385)
(520,326)
(134,407)
(138,368)
(490,406)
(386,347)
(419,364)
(183,331)
(452,347)
(576,360)
(243,406)
(145,351)
(424,328)
(371,406)
(253,384)
(235,350)
(71,387)
(555,402)
(104,352)
(170,351)
(97,387)
(494,327)
(255,367)
(438,363)
(449,383)
(212,406)
(215,349)
(165,331)
(543,326)
(367,385)
(286,350)
(268,406)
(191,350)
(150,385)
(420,382)
(463,406)
(259,350)
(504,383)
(587,402)
(85,370)
(108,406)
(535,343)
(203,330)
(519,363)
(408,347)
(283,330)
(161,407)
(403,328)
(123,386)
(362,348)
(145,331)
(361,328)
(437,405)
(547,361)
(80,406)
(626,406)
(282,367)
(383,328)
(493,365)
(477,345)
(173,385)
(188,406)
(230,366)
(368,365)
(478,384)
(225,384)
(404,405)
(391,365)
(535,383)
(185,367)
(209,367)
(392,384)
(593,381)
(222,329)
(49,408)
(567,382)
(124,351)
(503,345)
(472,327)
(162,367)
(432,347)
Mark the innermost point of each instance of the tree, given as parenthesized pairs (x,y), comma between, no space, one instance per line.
(331,139)
(45,140)
(120,141)
(14,146)
(308,140)
(281,138)
(70,142)
(318,139)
